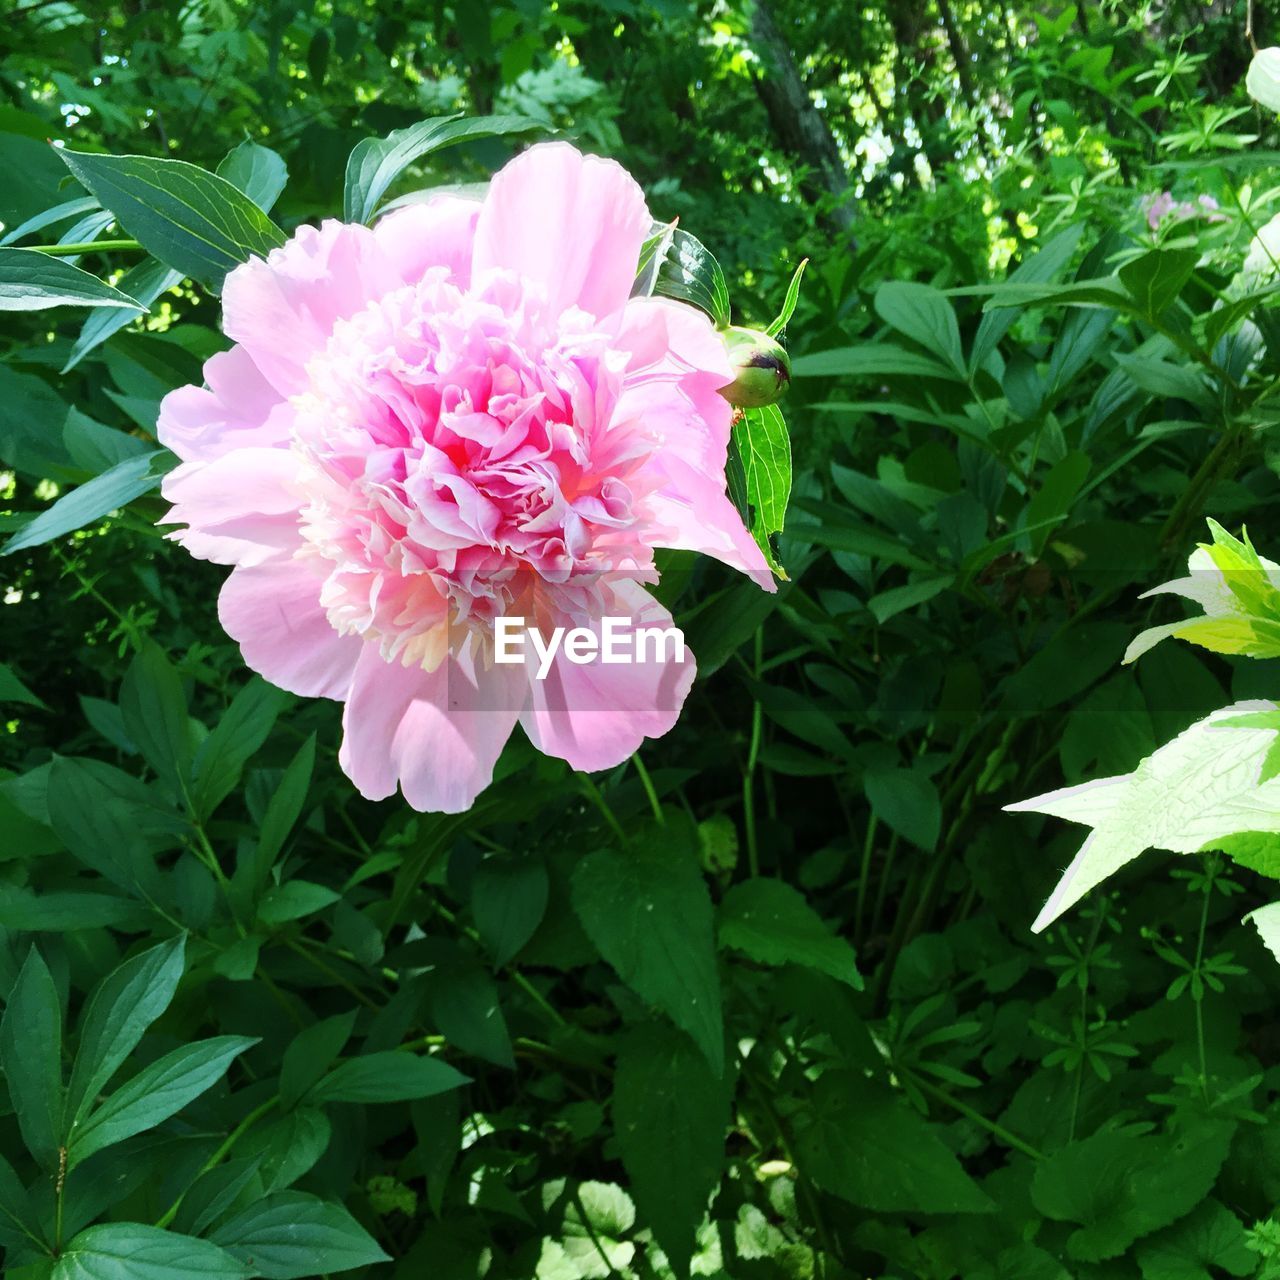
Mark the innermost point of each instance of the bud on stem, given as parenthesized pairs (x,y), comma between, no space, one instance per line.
(762,369)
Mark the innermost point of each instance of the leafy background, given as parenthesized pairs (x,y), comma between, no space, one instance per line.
(763,1002)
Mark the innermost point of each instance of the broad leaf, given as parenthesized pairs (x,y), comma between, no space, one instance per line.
(134,1251)
(508,900)
(690,272)
(763,444)
(393,1076)
(31,1055)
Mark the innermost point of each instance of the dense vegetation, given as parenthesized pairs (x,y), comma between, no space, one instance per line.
(764,1002)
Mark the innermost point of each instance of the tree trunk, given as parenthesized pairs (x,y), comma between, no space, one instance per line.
(796,122)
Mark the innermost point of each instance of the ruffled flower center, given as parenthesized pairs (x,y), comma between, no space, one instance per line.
(458,465)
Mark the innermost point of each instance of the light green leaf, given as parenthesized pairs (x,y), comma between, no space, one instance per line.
(763,444)
(89,502)
(33,281)
(146,282)
(157,1092)
(192,220)
(31,1055)
(291,1236)
(1267,922)
(870,360)
(1200,787)
(647,910)
(393,1076)
(133,1251)
(779,323)
(257,171)
(771,922)
(691,273)
(375,163)
(1156,278)
(670,1115)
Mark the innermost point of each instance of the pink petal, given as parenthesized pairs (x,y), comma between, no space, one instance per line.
(439,233)
(693,513)
(237,407)
(572,223)
(671,386)
(437,733)
(595,715)
(240,508)
(283,309)
(273,610)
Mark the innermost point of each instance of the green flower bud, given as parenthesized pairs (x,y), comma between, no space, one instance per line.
(1263,80)
(761,366)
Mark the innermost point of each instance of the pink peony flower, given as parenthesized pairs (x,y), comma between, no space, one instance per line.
(456,416)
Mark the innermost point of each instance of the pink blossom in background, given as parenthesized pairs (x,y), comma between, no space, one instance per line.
(457,415)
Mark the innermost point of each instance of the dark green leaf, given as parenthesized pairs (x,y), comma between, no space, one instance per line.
(508,900)
(32,281)
(132,1251)
(31,1055)
(192,220)
(257,171)
(690,272)
(907,801)
(394,1076)
(222,756)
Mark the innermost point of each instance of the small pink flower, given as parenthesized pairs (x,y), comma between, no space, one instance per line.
(459,415)
(1157,208)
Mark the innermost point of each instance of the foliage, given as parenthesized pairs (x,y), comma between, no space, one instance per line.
(764,1001)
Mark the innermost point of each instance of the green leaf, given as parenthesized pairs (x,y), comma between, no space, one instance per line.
(647,910)
(133,1251)
(393,1076)
(1118,1186)
(508,901)
(771,922)
(154,708)
(466,1008)
(310,1054)
(1267,922)
(870,360)
(762,442)
(222,756)
(1209,1238)
(89,502)
(888,604)
(859,1142)
(690,272)
(257,171)
(1053,499)
(192,220)
(291,1235)
(146,282)
(18,1220)
(31,1056)
(1164,379)
(777,325)
(123,1005)
(33,281)
(923,314)
(670,1115)
(22,911)
(375,163)
(1156,278)
(907,802)
(293,900)
(48,217)
(13,690)
(157,1092)
(283,810)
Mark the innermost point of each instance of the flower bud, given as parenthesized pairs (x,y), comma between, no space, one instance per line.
(761,367)
(1263,79)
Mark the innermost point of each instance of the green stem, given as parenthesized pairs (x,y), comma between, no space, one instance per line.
(214,1160)
(593,793)
(87,246)
(864,875)
(995,1130)
(647,781)
(748,774)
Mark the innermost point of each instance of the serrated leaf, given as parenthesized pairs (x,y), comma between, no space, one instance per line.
(670,1115)
(859,1142)
(647,910)
(34,281)
(192,220)
(291,1235)
(88,502)
(375,163)
(771,922)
